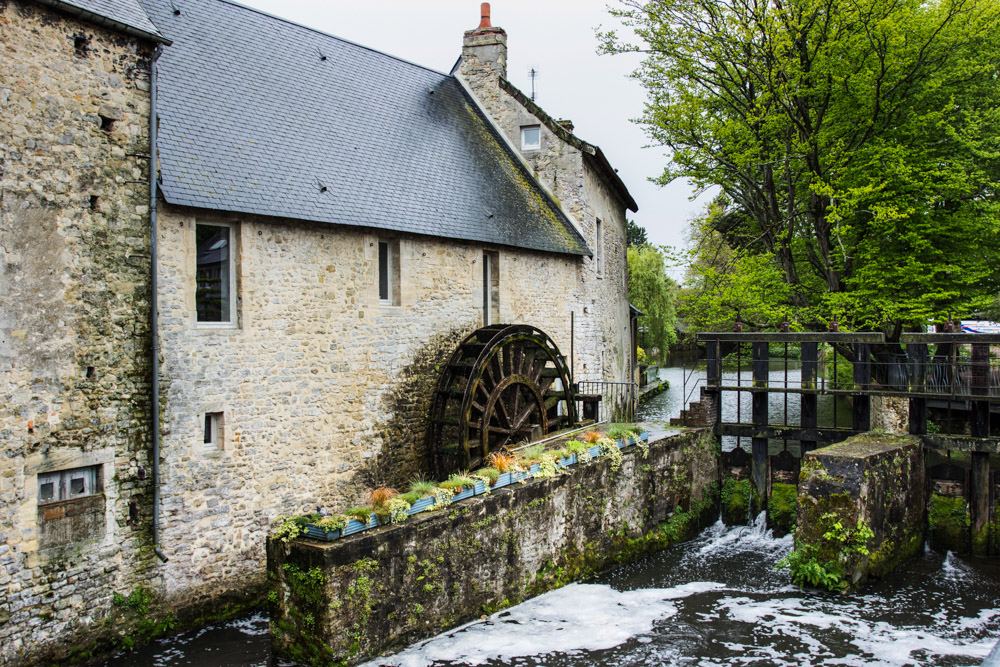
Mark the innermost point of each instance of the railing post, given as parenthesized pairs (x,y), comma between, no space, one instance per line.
(980,427)
(862,408)
(713,382)
(917,353)
(807,413)
(761,474)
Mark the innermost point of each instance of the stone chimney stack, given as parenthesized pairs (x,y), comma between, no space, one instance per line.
(484,52)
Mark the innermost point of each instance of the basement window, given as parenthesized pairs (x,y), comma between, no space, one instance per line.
(215,294)
(531,137)
(71,484)
(213,431)
(388,272)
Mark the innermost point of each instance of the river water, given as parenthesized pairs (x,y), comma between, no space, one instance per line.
(716,600)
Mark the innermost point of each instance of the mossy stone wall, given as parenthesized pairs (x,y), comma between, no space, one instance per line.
(340,602)
(870,482)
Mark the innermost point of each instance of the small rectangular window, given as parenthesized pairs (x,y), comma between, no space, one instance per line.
(531,137)
(212,437)
(599,248)
(491,288)
(215,294)
(388,272)
(68,484)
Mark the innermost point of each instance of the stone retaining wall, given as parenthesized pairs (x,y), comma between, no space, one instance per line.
(357,597)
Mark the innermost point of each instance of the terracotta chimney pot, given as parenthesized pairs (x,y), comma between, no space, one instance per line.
(484,16)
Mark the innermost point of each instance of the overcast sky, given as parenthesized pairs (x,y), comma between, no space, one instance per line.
(556,37)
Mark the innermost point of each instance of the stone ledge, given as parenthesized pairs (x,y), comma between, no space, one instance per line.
(354,598)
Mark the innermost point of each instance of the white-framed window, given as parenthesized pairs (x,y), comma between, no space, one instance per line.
(215,276)
(599,248)
(212,436)
(70,484)
(491,288)
(531,137)
(388,272)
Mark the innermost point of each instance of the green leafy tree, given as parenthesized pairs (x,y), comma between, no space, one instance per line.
(652,292)
(856,144)
(635,234)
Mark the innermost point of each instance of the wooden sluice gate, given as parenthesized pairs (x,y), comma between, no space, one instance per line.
(942,387)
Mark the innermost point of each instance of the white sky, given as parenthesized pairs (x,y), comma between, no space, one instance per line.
(556,37)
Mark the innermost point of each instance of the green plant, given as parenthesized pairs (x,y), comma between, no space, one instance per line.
(422,487)
(547,467)
(362,514)
(288,528)
(624,432)
(332,522)
(581,449)
(463,479)
(610,449)
(828,563)
(397,510)
(489,475)
(532,454)
(442,497)
(411,496)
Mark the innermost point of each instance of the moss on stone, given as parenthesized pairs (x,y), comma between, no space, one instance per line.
(738,498)
(948,523)
(781,507)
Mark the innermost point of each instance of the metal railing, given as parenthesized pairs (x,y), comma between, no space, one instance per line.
(618,399)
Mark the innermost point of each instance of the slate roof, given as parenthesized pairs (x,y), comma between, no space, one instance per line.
(125,15)
(259,115)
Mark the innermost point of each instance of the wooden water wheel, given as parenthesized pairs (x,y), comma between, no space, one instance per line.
(504,384)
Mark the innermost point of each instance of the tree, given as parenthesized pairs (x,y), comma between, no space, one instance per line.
(635,234)
(856,143)
(652,292)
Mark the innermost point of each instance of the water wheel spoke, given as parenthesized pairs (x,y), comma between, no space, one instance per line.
(522,416)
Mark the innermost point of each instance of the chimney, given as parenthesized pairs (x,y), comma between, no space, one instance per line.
(484,52)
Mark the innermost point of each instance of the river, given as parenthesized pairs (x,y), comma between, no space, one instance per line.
(716,600)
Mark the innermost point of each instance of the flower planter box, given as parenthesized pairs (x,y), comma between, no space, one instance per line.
(595,451)
(318,533)
(355,526)
(505,479)
(534,468)
(568,461)
(463,494)
(421,505)
(481,488)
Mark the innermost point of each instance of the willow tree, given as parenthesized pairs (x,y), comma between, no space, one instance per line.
(652,292)
(856,144)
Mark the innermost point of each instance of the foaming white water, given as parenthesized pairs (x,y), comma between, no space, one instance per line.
(878,643)
(255,625)
(576,618)
(720,538)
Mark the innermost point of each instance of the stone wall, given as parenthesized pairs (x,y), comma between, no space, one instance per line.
(324,390)
(74,313)
(861,506)
(382,589)
(601,302)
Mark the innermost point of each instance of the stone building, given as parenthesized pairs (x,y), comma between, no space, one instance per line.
(329,222)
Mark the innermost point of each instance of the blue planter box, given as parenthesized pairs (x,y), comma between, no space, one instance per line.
(463,494)
(568,461)
(595,451)
(421,505)
(534,468)
(480,488)
(318,533)
(521,476)
(644,436)
(505,479)
(353,526)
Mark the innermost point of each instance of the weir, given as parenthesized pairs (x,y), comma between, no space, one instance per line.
(943,388)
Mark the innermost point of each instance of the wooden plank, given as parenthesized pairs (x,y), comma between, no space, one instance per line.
(917,352)
(819,435)
(962,443)
(979,505)
(761,463)
(808,403)
(792,337)
(862,406)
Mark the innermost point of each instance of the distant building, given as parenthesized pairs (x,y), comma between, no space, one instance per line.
(331,222)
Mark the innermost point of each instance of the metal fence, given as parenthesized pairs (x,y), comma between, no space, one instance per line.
(618,399)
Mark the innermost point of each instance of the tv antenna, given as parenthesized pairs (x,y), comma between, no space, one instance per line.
(533,75)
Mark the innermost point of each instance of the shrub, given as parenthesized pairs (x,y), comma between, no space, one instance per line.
(382,495)
(502,461)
